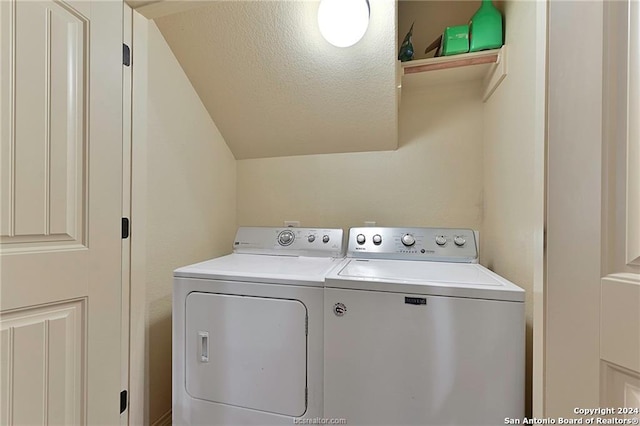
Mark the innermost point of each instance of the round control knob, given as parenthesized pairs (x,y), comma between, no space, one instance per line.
(408,240)
(377,239)
(441,240)
(311,238)
(285,238)
(325,239)
(459,240)
(360,238)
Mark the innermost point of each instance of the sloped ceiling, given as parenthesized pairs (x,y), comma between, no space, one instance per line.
(140,3)
(275,87)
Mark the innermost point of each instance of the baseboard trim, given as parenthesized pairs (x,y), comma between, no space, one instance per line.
(164,420)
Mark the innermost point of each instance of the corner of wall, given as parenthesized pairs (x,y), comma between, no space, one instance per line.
(514,163)
(183,207)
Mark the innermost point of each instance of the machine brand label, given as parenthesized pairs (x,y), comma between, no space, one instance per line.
(339,309)
(415,300)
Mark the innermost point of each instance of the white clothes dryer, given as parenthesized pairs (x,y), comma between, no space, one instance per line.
(248,329)
(417,333)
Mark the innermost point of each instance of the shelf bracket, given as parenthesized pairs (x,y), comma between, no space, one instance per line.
(495,75)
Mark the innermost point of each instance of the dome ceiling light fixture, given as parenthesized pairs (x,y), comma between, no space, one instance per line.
(343,22)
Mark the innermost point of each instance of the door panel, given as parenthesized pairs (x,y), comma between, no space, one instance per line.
(621,389)
(248,352)
(620,322)
(61,181)
(44,140)
(43,351)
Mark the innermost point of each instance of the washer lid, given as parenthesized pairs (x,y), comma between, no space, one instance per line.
(309,271)
(429,278)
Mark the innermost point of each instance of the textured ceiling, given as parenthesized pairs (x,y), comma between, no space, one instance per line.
(275,87)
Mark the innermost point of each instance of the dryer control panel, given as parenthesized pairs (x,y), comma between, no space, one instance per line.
(318,242)
(433,244)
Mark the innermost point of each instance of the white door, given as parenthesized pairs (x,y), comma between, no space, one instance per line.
(61,181)
(592,294)
(620,281)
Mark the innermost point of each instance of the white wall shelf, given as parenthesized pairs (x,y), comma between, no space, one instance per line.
(488,67)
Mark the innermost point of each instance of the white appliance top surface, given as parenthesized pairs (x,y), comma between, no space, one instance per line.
(423,277)
(262,268)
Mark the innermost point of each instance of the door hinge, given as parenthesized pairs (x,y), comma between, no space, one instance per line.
(126,55)
(125,227)
(123,401)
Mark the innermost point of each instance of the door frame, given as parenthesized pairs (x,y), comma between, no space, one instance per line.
(138,342)
(574,217)
(127,36)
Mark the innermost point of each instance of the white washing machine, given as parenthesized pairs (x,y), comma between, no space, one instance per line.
(248,329)
(417,333)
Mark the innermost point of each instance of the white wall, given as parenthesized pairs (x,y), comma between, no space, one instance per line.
(433,179)
(513,165)
(183,206)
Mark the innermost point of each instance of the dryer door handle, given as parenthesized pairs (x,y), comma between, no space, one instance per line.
(203,341)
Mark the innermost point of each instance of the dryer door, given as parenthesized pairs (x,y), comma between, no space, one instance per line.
(248,352)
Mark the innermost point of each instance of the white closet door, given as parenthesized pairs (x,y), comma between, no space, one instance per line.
(61,194)
(620,286)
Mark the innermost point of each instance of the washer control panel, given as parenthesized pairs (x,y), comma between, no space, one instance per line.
(433,244)
(325,242)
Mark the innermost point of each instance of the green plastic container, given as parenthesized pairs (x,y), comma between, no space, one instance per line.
(455,40)
(485,28)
